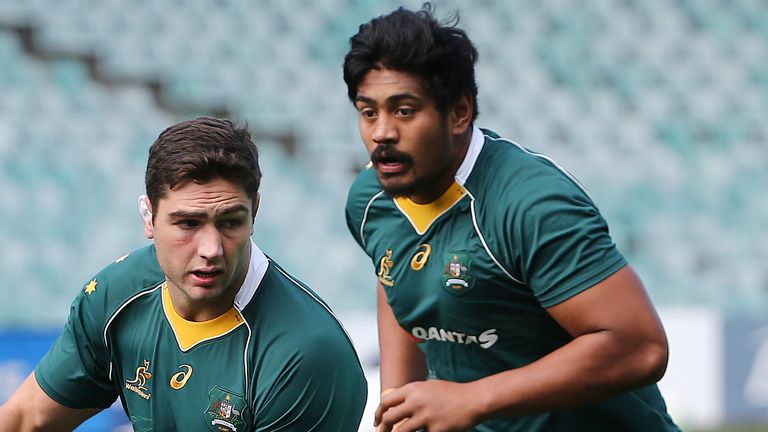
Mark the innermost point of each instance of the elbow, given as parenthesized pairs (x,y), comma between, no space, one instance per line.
(652,363)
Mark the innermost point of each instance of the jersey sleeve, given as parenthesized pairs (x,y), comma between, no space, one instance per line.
(318,386)
(361,193)
(562,243)
(75,371)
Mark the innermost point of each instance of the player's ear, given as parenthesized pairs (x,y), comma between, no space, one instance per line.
(255,209)
(145,210)
(461,114)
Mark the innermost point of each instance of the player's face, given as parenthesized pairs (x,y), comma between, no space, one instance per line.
(414,148)
(202,236)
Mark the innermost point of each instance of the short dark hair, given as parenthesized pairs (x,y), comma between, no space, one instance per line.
(441,55)
(201,150)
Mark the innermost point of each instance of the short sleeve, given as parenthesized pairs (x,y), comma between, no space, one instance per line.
(362,193)
(353,225)
(565,247)
(75,371)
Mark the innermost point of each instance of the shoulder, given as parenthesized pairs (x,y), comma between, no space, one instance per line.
(505,159)
(121,280)
(288,306)
(300,331)
(506,172)
(365,188)
(363,193)
(306,369)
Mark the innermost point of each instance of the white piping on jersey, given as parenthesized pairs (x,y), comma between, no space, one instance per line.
(482,239)
(117,312)
(365,215)
(473,152)
(550,160)
(476,145)
(324,306)
(257,268)
(247,390)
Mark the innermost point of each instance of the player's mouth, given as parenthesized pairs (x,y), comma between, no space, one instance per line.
(389,162)
(390,168)
(205,277)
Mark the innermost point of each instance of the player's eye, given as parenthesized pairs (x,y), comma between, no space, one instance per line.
(405,111)
(187,223)
(368,113)
(231,223)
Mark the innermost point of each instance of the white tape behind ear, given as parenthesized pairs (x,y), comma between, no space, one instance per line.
(144,210)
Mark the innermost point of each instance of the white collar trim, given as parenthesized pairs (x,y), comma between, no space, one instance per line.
(476,142)
(257,268)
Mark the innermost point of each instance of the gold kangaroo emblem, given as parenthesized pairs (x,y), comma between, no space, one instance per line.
(385,265)
(142,375)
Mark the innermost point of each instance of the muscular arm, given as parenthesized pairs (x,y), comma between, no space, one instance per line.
(619,344)
(31,409)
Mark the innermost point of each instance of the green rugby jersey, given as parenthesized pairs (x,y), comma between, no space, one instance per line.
(279,360)
(469,276)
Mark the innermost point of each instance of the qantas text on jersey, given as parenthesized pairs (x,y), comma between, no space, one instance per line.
(485,339)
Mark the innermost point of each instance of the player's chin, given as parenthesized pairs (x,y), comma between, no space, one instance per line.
(208,295)
(207,289)
(396,185)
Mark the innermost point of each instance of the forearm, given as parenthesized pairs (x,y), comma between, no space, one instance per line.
(401,361)
(401,366)
(394,375)
(30,409)
(592,367)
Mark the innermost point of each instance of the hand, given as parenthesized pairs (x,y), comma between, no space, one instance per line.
(380,427)
(434,405)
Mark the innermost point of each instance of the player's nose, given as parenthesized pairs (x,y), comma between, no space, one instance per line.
(209,243)
(384,131)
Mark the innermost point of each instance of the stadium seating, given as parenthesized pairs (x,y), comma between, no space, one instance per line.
(658,107)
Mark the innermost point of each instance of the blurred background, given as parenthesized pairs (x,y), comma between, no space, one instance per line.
(660,107)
